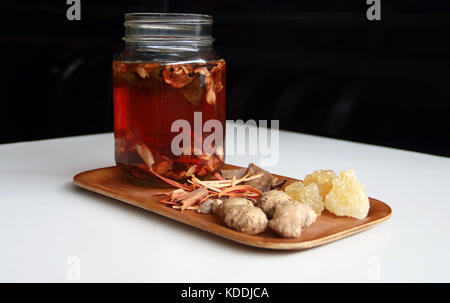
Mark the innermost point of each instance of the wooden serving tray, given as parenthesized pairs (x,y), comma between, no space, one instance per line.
(112,182)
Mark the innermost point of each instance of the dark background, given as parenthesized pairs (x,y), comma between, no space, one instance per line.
(320,67)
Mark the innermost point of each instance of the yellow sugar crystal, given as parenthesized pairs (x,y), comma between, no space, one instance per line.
(306,194)
(347,197)
(323,179)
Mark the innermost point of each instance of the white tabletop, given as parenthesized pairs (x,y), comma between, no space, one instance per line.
(51,231)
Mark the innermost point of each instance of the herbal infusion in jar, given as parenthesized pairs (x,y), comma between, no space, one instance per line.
(169,98)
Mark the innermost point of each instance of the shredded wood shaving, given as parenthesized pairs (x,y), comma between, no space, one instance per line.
(195,192)
(180,207)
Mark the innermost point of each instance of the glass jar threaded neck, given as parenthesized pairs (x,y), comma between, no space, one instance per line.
(164,29)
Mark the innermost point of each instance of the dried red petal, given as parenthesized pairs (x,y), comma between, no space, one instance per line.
(143,70)
(210,85)
(178,75)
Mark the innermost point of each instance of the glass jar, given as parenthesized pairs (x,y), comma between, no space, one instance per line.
(169,98)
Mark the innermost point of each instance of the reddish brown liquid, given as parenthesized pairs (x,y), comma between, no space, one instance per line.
(148,98)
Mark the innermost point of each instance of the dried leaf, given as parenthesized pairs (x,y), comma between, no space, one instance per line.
(229,173)
(264,183)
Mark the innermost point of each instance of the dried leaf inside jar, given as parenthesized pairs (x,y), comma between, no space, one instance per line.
(194,92)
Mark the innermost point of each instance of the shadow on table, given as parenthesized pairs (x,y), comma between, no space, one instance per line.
(97,198)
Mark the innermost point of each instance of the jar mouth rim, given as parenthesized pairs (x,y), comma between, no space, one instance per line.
(164,40)
(179,18)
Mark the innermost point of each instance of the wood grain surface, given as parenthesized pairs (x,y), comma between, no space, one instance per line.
(112,182)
